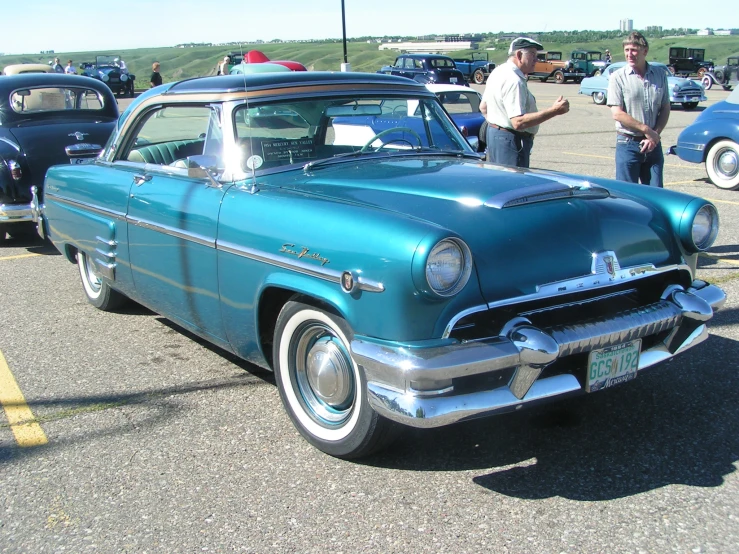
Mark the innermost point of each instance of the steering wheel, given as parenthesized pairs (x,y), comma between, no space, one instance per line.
(388,131)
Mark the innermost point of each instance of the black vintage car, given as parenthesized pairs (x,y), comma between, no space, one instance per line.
(689,61)
(727,75)
(426,69)
(111,71)
(45,119)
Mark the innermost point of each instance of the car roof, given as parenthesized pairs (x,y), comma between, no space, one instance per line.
(240,83)
(12,82)
(19,68)
(425,56)
(443,87)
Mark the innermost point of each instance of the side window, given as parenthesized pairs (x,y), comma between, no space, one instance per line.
(169,135)
(399,62)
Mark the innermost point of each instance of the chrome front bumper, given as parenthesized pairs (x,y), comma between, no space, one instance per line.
(15,213)
(413,386)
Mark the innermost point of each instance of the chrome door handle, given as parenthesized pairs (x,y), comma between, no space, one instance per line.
(139,180)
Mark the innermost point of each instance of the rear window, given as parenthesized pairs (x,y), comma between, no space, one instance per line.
(55,99)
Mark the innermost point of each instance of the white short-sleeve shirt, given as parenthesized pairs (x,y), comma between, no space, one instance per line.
(507,95)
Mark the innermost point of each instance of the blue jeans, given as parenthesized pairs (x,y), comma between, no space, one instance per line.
(508,148)
(634,167)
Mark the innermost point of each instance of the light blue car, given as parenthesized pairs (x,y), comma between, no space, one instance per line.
(713,138)
(682,91)
(388,276)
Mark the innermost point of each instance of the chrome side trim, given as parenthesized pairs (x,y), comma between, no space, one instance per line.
(296,265)
(10,143)
(171,231)
(691,146)
(86,205)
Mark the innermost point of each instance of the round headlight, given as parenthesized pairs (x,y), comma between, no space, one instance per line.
(448,267)
(124,77)
(705,227)
(676,88)
(104,77)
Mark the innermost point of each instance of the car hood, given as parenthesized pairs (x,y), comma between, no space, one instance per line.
(43,142)
(538,243)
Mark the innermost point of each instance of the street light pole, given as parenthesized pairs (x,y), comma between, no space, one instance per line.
(345,65)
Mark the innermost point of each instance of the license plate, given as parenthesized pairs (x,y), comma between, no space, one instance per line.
(75,161)
(612,365)
(452,80)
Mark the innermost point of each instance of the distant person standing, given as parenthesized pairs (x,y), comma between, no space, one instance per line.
(70,70)
(223,66)
(608,57)
(57,66)
(510,108)
(639,98)
(120,64)
(156,77)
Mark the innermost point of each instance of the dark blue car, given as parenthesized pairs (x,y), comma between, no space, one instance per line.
(713,138)
(425,69)
(111,71)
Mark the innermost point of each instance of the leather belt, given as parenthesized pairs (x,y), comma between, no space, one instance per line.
(638,138)
(520,134)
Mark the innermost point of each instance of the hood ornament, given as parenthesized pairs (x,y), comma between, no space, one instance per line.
(78,135)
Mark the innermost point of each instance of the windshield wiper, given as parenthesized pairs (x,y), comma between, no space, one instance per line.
(398,153)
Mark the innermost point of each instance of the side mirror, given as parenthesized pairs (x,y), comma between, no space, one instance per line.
(83,152)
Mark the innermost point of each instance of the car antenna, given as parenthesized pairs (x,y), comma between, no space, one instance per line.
(253,189)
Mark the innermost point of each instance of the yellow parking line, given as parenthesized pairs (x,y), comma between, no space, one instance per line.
(22,421)
(18,256)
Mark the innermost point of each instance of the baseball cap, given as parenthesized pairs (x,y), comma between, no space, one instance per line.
(523,42)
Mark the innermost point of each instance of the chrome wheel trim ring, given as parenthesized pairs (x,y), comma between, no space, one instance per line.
(323,375)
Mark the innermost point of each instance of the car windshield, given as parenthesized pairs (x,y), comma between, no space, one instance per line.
(52,99)
(101,61)
(276,135)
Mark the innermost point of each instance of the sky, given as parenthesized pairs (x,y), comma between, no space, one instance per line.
(126,24)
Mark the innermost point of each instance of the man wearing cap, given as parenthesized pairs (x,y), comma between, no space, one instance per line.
(608,59)
(510,108)
(639,98)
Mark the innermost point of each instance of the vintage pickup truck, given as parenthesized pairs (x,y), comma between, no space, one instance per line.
(476,69)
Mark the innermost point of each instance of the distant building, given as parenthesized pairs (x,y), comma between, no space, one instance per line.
(428,47)
(653,29)
(705,32)
(627,25)
(725,32)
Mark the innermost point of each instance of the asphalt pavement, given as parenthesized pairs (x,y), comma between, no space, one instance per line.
(156,441)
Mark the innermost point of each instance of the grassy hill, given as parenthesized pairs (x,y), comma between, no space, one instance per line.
(181,63)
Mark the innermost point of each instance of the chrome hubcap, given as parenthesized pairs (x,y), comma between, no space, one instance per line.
(92,278)
(324,375)
(727,163)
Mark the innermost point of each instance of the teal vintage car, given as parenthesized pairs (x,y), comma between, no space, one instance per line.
(388,277)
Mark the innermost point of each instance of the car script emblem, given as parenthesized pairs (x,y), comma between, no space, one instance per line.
(78,135)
